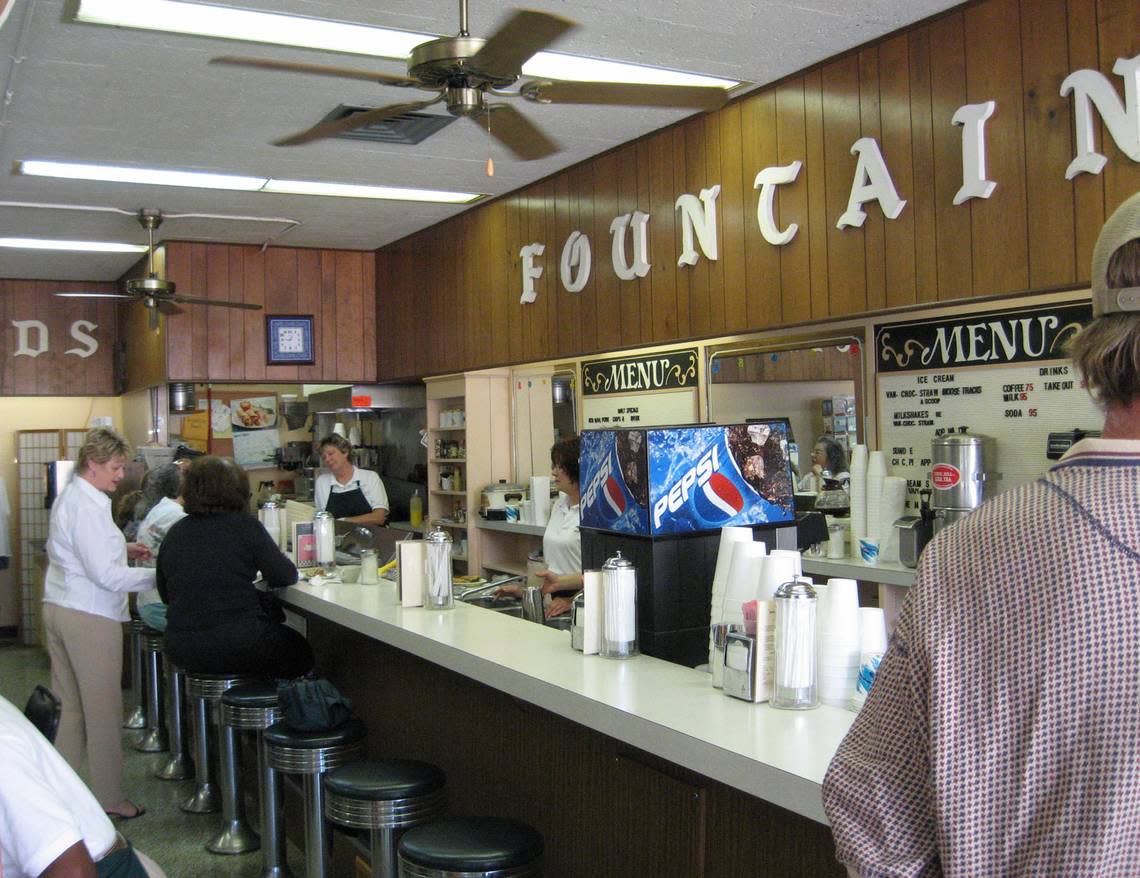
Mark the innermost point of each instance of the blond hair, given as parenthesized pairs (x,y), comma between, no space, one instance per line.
(100,445)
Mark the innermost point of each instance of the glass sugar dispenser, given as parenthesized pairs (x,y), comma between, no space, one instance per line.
(439,594)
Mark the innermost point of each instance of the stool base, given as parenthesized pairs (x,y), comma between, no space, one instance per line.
(177,767)
(235,838)
(152,741)
(204,800)
(137,719)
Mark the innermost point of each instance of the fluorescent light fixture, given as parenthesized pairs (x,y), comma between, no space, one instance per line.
(348,190)
(148,176)
(81,246)
(253,26)
(159,177)
(556,65)
(202,19)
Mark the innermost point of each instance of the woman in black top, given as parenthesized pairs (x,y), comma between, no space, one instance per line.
(216,620)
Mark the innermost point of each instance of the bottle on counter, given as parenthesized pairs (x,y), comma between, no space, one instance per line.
(324,529)
(416,509)
(369,567)
(438,595)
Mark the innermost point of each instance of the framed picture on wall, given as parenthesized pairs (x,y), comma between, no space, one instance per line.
(289,340)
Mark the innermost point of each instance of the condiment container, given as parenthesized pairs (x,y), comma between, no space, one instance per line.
(369,567)
(619,625)
(438,594)
(324,530)
(795,685)
(272,517)
(416,509)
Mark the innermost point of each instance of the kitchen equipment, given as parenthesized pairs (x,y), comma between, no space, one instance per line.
(291,456)
(532,608)
(914,533)
(1056,444)
(535,563)
(182,399)
(720,632)
(958,475)
(619,590)
(56,476)
(833,498)
(795,684)
(498,495)
(438,594)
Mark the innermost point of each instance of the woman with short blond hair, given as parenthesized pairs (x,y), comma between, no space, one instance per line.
(85,604)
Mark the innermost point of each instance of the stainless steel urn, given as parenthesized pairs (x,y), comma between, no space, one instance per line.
(958,474)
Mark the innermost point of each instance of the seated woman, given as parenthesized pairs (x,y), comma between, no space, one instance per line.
(827,456)
(159,508)
(216,622)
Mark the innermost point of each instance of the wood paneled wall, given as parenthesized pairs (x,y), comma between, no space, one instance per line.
(449,296)
(223,344)
(54,372)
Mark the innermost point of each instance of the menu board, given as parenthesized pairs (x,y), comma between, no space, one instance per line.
(640,410)
(1016,389)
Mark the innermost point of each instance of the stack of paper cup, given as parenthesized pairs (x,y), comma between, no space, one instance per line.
(872,630)
(892,505)
(839,642)
(728,537)
(779,567)
(858,493)
(743,582)
(540,496)
(876,472)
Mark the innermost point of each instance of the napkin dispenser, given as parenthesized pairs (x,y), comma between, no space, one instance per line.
(740,666)
(578,623)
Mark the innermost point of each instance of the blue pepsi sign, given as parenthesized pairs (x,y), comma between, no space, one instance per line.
(686,479)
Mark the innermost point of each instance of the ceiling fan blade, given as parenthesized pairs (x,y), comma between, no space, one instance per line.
(524,33)
(94,295)
(348,123)
(167,307)
(318,69)
(698,97)
(517,133)
(191,300)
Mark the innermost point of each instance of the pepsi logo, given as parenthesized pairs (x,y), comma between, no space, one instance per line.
(718,499)
(612,493)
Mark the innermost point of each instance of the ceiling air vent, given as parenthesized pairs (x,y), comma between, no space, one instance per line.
(409,128)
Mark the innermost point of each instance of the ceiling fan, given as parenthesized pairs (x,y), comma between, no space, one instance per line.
(155,293)
(464,70)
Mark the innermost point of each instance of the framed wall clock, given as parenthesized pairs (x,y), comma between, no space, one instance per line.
(289,339)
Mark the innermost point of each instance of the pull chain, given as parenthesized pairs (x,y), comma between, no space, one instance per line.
(490,161)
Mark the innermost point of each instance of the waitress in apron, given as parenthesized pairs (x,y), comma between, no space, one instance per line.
(349,493)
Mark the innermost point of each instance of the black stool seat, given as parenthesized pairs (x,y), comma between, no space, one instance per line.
(471,844)
(261,694)
(384,780)
(281,735)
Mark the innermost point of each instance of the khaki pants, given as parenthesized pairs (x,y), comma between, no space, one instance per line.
(86,663)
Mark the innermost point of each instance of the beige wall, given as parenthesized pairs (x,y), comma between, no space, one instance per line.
(39,413)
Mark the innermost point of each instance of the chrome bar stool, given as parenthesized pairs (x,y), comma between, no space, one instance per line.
(471,847)
(153,739)
(249,707)
(205,691)
(385,797)
(311,754)
(137,717)
(179,765)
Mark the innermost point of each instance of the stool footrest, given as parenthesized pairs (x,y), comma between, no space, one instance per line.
(391,814)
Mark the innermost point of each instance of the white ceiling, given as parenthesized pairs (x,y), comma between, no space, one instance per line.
(87,93)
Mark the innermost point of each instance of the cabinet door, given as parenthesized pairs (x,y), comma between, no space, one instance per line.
(534,424)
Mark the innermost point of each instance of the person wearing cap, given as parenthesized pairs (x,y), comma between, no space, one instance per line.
(346,491)
(1000,736)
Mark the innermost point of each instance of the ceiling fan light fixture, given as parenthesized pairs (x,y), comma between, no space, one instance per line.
(145,176)
(349,190)
(76,246)
(576,68)
(249,25)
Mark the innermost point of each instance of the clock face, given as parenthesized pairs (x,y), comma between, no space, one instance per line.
(290,340)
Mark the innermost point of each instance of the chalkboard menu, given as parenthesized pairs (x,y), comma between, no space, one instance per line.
(1001,374)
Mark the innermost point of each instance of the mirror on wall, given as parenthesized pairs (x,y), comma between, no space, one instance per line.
(816,384)
(562,394)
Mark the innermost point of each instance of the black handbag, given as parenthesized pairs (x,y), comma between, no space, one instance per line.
(312,704)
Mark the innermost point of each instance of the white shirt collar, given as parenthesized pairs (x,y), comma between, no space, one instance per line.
(91,491)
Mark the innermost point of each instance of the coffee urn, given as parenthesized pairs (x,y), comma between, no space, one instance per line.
(958,475)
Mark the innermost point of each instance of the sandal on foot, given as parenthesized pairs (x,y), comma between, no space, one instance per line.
(138,812)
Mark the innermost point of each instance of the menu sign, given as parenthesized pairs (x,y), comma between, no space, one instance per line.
(933,379)
(664,371)
(1011,335)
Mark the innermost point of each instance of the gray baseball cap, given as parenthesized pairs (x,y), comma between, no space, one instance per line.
(1121,227)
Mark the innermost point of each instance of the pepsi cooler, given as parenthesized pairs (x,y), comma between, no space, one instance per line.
(686,480)
(661,495)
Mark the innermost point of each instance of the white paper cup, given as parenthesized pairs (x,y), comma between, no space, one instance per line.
(869,550)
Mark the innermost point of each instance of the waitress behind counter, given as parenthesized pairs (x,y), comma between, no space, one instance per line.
(349,493)
(561,542)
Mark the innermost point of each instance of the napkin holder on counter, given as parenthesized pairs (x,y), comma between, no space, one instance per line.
(411,579)
(304,544)
(740,665)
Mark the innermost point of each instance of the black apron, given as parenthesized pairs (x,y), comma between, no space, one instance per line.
(344,504)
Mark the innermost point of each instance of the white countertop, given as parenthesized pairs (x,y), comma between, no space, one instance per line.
(668,710)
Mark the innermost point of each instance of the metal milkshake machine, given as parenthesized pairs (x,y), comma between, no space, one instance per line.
(959,471)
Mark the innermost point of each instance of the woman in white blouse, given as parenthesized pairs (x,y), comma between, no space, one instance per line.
(85,604)
(561,542)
